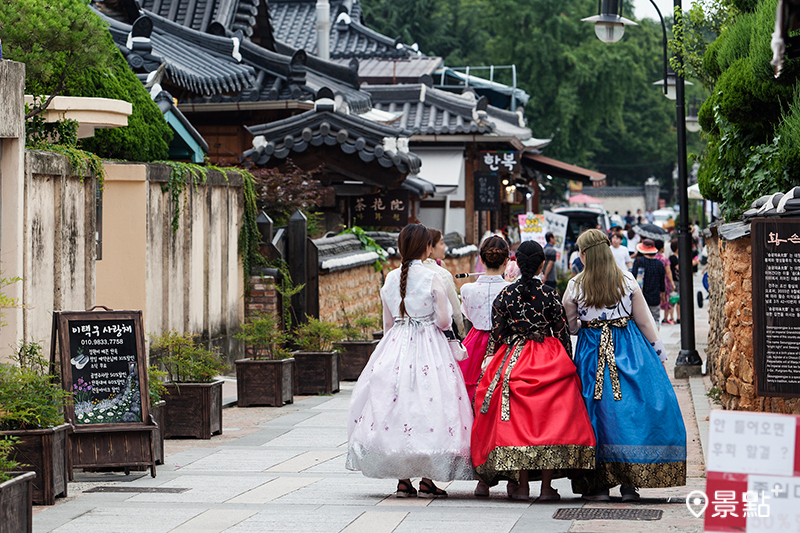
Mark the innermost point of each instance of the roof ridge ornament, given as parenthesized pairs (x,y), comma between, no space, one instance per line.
(236,54)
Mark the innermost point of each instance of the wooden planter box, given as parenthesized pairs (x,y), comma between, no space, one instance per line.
(16,504)
(353,358)
(193,410)
(316,372)
(157,412)
(264,381)
(44,451)
(124,447)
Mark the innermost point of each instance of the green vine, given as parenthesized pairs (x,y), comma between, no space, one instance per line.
(249,236)
(179,176)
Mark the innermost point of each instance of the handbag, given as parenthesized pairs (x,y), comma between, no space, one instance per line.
(457,349)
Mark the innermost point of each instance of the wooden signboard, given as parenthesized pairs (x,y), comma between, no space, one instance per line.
(104,366)
(776,306)
(487,192)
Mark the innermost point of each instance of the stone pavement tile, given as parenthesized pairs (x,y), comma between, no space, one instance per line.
(258,437)
(306,460)
(127,519)
(376,522)
(205,488)
(58,515)
(273,489)
(283,519)
(289,419)
(342,491)
(340,401)
(304,438)
(247,459)
(214,521)
(333,466)
(676,518)
(175,461)
(458,521)
(394,501)
(332,419)
(542,524)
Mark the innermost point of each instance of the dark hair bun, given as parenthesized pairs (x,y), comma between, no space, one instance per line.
(494,251)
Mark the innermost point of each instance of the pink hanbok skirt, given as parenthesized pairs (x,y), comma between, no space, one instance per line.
(475,343)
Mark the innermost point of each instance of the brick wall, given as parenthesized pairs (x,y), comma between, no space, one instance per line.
(263,297)
(730,354)
(356,289)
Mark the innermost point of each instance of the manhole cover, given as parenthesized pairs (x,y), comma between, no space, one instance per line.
(161,490)
(594,513)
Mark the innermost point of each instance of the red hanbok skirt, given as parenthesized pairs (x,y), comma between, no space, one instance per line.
(476,342)
(535,417)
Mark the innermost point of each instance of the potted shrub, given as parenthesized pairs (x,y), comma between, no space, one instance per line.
(193,395)
(16,491)
(317,363)
(266,377)
(32,411)
(357,346)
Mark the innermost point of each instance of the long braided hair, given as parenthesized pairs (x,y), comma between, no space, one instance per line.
(530,257)
(412,243)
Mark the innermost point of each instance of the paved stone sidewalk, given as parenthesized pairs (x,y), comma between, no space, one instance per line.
(282,469)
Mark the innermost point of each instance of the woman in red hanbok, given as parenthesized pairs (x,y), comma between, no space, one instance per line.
(529,412)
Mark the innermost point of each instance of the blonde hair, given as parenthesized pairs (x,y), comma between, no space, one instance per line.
(601,284)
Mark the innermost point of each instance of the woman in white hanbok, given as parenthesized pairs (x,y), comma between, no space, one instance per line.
(410,415)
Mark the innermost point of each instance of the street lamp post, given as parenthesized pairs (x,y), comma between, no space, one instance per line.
(612,23)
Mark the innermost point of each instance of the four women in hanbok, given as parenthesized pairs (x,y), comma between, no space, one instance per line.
(641,439)
(529,413)
(410,415)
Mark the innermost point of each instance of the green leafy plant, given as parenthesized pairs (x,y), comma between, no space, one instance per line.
(369,245)
(715,395)
(7,465)
(181,175)
(264,334)
(184,360)
(287,289)
(155,384)
(30,397)
(317,335)
(358,325)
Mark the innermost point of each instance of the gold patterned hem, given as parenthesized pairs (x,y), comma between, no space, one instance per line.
(506,462)
(639,475)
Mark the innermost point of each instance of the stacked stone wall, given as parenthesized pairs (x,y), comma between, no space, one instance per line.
(353,292)
(730,354)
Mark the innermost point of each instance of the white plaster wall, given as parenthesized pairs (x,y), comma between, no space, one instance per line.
(197,259)
(217,221)
(40,282)
(234,293)
(175,256)
(623,204)
(156,220)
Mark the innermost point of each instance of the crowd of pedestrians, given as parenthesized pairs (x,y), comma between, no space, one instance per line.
(518,403)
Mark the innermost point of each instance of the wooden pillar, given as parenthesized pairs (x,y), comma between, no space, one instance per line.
(471,220)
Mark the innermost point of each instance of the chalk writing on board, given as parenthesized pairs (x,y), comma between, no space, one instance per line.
(105,379)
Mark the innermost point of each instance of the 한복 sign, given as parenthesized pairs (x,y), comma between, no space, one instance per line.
(103,366)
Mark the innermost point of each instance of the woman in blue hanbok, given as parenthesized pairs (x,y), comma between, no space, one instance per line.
(641,439)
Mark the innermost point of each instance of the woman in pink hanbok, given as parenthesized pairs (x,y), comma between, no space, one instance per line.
(410,415)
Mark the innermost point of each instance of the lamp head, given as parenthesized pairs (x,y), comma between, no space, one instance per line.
(609,24)
(670,91)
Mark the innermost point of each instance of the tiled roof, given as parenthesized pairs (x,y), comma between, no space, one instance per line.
(294,24)
(207,16)
(196,63)
(402,70)
(428,111)
(319,126)
(205,67)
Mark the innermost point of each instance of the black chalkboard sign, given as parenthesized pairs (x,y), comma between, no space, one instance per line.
(103,365)
(775,245)
(487,191)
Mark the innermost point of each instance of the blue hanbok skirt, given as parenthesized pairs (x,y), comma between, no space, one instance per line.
(641,439)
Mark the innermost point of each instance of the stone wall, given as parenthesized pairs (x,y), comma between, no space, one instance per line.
(354,291)
(730,354)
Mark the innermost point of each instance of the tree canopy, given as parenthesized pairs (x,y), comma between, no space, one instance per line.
(596,100)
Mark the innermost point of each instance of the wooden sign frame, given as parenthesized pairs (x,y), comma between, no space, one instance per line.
(776,239)
(64,321)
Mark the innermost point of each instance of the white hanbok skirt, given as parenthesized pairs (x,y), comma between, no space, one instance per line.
(410,415)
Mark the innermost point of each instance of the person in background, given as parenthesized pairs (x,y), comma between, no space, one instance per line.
(412,419)
(476,305)
(550,255)
(438,251)
(633,239)
(649,216)
(620,253)
(669,286)
(575,263)
(529,413)
(673,315)
(641,438)
(629,219)
(653,285)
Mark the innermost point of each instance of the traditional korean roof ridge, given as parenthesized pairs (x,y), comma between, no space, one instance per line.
(200,65)
(324,126)
(208,16)
(294,23)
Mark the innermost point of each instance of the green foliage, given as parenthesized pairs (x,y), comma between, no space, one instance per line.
(5,301)
(692,39)
(249,236)
(317,335)
(369,245)
(184,360)
(359,324)
(7,465)
(287,289)
(30,398)
(715,395)
(264,334)
(56,39)
(155,384)
(181,175)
